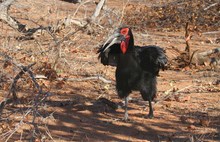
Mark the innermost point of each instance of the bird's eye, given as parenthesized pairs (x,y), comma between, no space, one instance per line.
(124,31)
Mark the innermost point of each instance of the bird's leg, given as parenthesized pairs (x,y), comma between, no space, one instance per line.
(126,109)
(150,115)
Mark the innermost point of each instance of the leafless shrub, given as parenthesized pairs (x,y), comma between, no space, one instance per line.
(51,44)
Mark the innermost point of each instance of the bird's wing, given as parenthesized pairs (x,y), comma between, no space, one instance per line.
(151,58)
(109,55)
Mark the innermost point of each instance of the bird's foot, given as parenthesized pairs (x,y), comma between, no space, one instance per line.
(150,116)
(128,99)
(126,117)
(126,120)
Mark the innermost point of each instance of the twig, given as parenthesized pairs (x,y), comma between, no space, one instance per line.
(97,10)
(17,77)
(77,79)
(170,93)
(187,38)
(13,85)
(79,23)
(36,100)
(191,58)
(122,13)
(88,78)
(57,43)
(70,34)
(83,23)
(11,132)
(214,4)
(4,15)
(12,90)
(83,3)
(212,32)
(48,133)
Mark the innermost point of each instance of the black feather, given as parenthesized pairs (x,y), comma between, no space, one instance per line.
(152,58)
(110,56)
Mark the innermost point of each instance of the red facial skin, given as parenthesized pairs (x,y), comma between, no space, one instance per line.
(124,44)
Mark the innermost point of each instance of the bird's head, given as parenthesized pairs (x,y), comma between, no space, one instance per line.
(122,36)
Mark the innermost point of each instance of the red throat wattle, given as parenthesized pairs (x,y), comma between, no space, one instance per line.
(124,44)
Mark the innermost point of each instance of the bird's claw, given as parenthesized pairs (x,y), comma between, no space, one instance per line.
(126,120)
(150,116)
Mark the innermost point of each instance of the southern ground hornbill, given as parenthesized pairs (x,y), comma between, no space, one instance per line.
(137,67)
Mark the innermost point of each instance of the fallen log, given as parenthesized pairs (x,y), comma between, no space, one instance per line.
(209,57)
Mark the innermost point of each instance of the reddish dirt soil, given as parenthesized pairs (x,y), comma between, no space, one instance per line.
(73,111)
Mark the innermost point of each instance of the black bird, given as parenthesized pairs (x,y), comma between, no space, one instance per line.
(137,67)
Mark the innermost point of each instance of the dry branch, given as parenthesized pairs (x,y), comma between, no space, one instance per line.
(37,101)
(12,90)
(97,10)
(9,134)
(96,13)
(210,57)
(15,80)
(77,79)
(187,38)
(212,32)
(4,16)
(207,57)
(208,7)
(77,22)
(171,93)
(123,11)
(82,24)
(88,78)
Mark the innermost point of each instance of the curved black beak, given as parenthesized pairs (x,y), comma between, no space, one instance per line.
(116,38)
